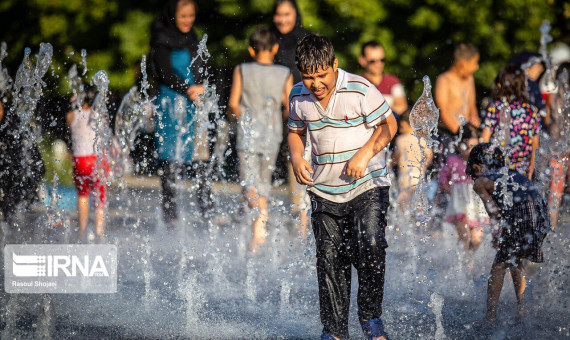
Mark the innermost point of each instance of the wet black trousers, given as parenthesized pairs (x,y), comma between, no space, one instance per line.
(168,173)
(351,233)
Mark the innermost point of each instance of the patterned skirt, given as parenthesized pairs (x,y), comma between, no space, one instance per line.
(523,230)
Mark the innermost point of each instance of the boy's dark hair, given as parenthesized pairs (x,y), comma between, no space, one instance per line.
(469,131)
(464,51)
(90,94)
(564,66)
(314,51)
(510,82)
(370,43)
(484,154)
(405,116)
(262,39)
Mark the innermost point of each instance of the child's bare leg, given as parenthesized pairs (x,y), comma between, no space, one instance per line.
(100,220)
(494,288)
(519,281)
(259,230)
(476,238)
(83,213)
(463,233)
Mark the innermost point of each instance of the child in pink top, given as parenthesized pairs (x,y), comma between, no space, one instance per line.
(465,209)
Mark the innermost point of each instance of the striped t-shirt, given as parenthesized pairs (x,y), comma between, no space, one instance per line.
(337,133)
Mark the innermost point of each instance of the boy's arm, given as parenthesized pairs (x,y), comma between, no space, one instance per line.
(442,100)
(535,146)
(285,99)
(297,148)
(235,95)
(484,187)
(486,135)
(385,131)
(428,154)
(69,118)
(473,112)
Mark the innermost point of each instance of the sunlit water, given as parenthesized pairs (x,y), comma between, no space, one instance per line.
(198,281)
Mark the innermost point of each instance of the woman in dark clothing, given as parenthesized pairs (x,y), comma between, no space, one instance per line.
(173,47)
(289,31)
(20,174)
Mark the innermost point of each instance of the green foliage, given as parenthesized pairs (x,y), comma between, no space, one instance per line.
(418,35)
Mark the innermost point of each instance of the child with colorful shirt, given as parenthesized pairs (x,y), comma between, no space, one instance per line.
(523,125)
(349,125)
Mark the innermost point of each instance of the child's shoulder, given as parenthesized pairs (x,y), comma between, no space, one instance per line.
(299,91)
(354,81)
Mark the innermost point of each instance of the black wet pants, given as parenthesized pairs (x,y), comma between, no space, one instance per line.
(351,233)
(169,173)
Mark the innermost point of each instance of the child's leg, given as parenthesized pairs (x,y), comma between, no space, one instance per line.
(368,249)
(476,238)
(519,281)
(463,233)
(494,288)
(258,227)
(100,194)
(82,212)
(556,189)
(333,273)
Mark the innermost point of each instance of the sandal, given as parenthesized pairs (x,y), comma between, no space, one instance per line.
(373,328)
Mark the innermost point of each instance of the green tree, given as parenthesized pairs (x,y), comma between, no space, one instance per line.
(418,35)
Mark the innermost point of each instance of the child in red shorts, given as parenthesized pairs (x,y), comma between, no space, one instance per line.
(87,173)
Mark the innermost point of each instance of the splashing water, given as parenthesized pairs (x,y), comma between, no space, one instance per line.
(84,61)
(424,118)
(548,83)
(77,88)
(436,304)
(27,91)
(5,80)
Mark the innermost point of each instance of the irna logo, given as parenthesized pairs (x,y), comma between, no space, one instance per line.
(58,265)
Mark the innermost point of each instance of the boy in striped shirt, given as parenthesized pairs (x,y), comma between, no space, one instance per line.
(349,125)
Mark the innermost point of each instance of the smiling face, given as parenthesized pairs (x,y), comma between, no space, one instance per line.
(285,17)
(185,17)
(322,82)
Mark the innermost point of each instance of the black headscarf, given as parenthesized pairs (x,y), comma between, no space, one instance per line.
(165,37)
(165,33)
(288,42)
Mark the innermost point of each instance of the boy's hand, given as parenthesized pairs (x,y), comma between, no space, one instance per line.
(356,166)
(195,90)
(302,168)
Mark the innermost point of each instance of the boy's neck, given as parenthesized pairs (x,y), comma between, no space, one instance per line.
(457,71)
(264,57)
(405,129)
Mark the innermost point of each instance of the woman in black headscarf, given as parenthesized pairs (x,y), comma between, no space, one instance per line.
(289,30)
(174,44)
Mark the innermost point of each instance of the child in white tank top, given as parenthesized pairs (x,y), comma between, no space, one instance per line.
(85,173)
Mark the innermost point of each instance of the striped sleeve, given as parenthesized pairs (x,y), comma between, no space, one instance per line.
(375,107)
(295,122)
